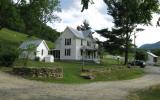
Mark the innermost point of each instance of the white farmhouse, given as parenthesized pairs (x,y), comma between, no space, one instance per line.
(152,58)
(75,44)
(33,49)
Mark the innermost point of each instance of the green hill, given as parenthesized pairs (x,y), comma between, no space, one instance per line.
(151,46)
(12,38)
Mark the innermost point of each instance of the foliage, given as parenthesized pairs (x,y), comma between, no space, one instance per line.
(85,26)
(141,55)
(10,16)
(37,59)
(7,55)
(114,40)
(85,4)
(156,52)
(30,17)
(27,53)
(127,14)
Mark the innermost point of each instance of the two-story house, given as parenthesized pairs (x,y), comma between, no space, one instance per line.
(75,44)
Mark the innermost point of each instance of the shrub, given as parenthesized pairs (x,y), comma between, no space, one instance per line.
(141,55)
(37,59)
(8,56)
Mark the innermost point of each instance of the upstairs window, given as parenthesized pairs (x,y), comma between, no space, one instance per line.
(68,41)
(88,43)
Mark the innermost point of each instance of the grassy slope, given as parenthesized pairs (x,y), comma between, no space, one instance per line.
(9,37)
(152,93)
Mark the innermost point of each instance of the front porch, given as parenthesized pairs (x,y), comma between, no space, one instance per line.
(89,53)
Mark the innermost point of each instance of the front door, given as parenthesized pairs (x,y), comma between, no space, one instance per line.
(56,54)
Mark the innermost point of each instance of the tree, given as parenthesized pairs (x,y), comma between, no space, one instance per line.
(8,55)
(127,14)
(27,53)
(84,27)
(10,17)
(114,40)
(156,51)
(37,13)
(85,4)
(141,55)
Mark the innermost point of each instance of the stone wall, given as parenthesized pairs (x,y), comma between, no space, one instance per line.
(39,72)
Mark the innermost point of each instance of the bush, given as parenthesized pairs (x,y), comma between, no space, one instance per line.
(141,55)
(37,59)
(7,56)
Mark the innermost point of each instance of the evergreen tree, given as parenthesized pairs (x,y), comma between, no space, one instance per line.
(127,14)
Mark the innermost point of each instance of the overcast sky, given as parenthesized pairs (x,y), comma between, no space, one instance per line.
(97,17)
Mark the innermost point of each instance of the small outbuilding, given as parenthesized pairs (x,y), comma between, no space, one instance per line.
(152,58)
(34,49)
(49,59)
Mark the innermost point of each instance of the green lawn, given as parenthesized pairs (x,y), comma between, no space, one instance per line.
(12,38)
(72,70)
(152,93)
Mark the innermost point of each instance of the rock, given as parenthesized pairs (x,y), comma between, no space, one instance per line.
(88,76)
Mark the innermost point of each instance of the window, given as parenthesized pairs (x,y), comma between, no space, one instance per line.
(81,42)
(81,52)
(68,41)
(88,43)
(67,52)
(42,52)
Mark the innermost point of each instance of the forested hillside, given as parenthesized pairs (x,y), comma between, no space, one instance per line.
(30,17)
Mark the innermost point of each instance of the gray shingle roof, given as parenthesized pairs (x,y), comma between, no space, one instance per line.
(80,34)
(25,44)
(153,55)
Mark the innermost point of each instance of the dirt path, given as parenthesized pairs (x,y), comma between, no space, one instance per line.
(15,88)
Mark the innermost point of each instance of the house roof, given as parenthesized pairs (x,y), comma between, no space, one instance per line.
(150,53)
(81,34)
(36,43)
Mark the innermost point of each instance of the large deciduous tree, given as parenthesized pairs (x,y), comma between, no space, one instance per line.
(35,13)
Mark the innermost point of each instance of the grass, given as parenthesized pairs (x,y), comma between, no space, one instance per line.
(12,38)
(72,71)
(152,93)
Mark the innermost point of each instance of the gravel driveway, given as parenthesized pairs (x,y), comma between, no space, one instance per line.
(16,88)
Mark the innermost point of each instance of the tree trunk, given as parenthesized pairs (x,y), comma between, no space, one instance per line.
(126,49)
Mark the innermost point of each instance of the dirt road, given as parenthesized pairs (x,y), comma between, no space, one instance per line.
(16,88)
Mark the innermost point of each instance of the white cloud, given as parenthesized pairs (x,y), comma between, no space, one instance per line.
(98,19)
(72,16)
(151,34)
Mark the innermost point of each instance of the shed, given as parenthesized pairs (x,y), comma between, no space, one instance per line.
(152,58)
(40,49)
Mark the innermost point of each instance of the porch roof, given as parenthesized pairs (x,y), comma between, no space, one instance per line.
(87,48)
